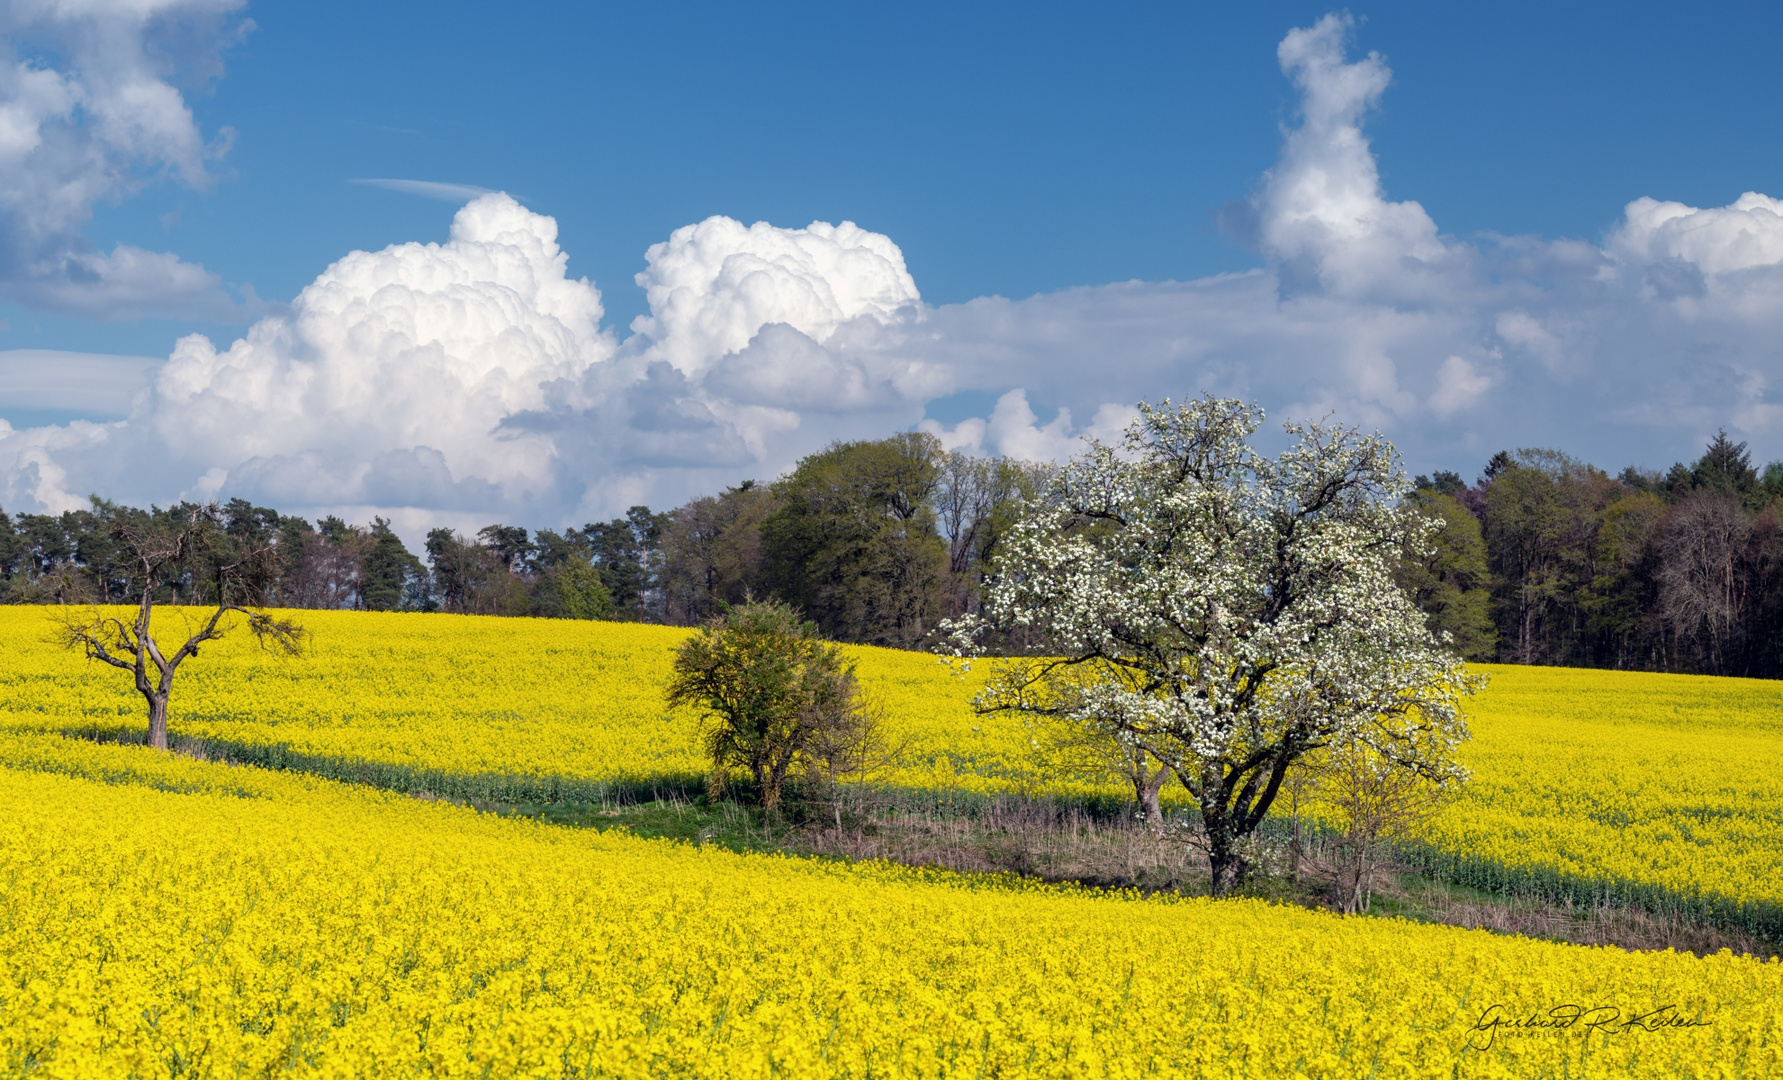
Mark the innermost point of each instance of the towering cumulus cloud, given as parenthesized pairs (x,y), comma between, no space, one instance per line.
(711,286)
(1321,217)
(473,381)
(103,120)
(390,377)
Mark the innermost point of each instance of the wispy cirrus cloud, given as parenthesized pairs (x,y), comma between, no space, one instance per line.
(429,189)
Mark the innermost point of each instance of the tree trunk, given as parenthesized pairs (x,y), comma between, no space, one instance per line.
(1228,869)
(1294,846)
(1148,789)
(157,721)
(1226,864)
(772,776)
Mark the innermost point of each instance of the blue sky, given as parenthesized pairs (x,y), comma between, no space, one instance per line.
(1006,151)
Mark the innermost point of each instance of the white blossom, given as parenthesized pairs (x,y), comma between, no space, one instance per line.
(1225,611)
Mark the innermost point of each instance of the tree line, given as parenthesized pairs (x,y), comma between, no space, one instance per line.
(1544,559)
(873,541)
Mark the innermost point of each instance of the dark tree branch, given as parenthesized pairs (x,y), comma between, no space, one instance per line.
(164,545)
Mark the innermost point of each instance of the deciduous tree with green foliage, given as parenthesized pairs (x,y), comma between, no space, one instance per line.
(572,591)
(1449,578)
(712,551)
(853,542)
(772,696)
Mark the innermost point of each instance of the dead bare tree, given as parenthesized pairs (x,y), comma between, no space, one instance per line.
(849,741)
(976,502)
(184,546)
(330,571)
(1374,803)
(1702,583)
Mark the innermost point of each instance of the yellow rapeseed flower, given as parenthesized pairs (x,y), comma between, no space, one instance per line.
(167,917)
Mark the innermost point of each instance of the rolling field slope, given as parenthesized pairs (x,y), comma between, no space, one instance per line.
(1656,789)
(1630,786)
(164,917)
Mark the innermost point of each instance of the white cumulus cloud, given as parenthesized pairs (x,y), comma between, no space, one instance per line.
(711,286)
(1014,430)
(1459,385)
(1744,235)
(390,377)
(1320,213)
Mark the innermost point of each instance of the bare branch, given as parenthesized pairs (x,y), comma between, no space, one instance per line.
(92,635)
(178,543)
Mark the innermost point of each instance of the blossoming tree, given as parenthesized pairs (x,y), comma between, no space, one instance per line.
(1226,612)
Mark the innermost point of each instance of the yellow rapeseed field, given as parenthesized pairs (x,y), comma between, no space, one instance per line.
(1653,788)
(1633,786)
(163,917)
(476,705)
